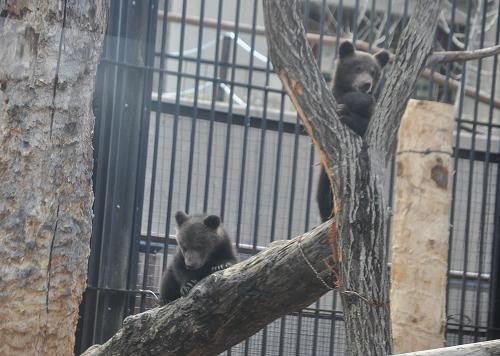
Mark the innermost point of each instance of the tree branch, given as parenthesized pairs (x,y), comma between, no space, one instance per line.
(298,71)
(229,306)
(414,47)
(454,56)
(437,78)
(304,84)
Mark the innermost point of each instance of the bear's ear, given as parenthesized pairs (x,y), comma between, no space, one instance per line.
(346,49)
(181,217)
(382,58)
(212,221)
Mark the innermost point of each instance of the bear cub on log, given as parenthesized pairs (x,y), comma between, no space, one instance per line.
(355,77)
(203,247)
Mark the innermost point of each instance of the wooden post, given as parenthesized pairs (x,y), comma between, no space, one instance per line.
(421,226)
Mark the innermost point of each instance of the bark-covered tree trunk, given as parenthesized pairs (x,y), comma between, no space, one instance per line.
(356,166)
(48,55)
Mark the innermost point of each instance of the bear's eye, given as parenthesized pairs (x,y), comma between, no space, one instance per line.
(358,69)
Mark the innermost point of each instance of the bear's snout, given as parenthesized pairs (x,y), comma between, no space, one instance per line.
(363,83)
(193,260)
(192,265)
(366,87)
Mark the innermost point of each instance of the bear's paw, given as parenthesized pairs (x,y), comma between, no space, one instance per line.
(186,287)
(221,267)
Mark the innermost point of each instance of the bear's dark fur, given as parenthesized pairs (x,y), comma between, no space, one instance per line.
(203,247)
(354,81)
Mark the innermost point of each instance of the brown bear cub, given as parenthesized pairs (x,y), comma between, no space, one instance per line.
(203,247)
(355,79)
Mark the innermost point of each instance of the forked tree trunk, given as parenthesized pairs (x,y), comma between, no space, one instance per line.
(48,56)
(356,166)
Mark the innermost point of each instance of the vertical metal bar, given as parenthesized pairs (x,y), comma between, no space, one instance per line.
(355,22)
(338,30)
(230,113)
(277,167)
(471,176)
(215,86)
(321,32)
(294,176)
(446,90)
(430,91)
(174,133)
(494,307)
(315,330)
(263,129)
(494,294)
(332,324)
(246,347)
(282,336)
(405,13)
(155,158)
(388,24)
(224,64)
(275,201)
(298,333)
(264,342)
(486,173)
(457,147)
(373,15)
(246,129)
(309,187)
(454,187)
(195,105)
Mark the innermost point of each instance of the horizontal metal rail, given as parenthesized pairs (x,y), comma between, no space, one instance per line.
(332,40)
